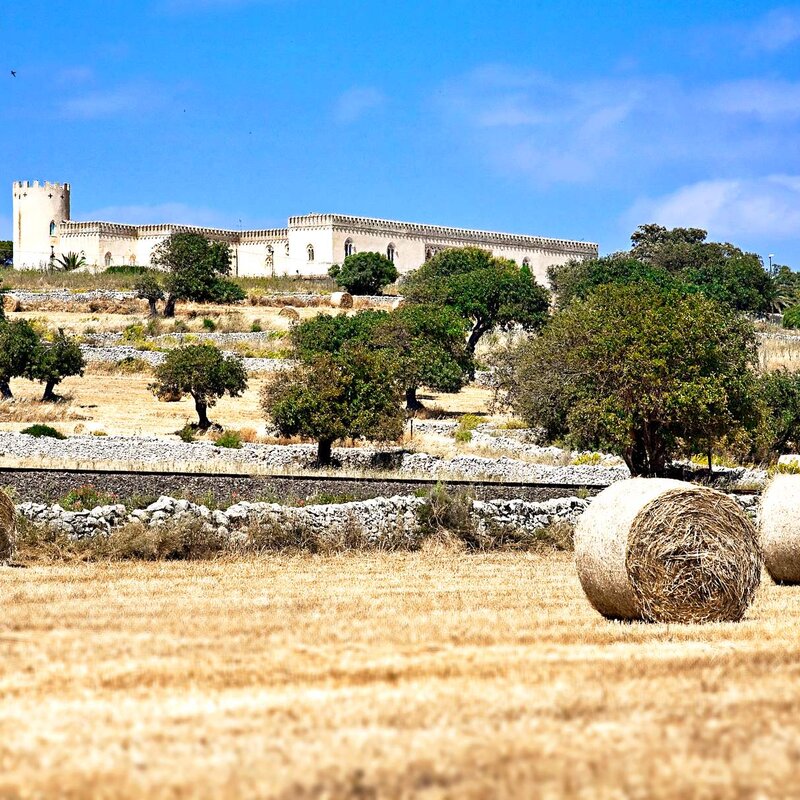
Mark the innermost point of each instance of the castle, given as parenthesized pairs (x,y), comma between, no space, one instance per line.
(43,231)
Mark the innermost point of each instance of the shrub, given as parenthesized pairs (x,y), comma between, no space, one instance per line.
(209,325)
(256,326)
(85,498)
(43,431)
(364,273)
(462,436)
(446,510)
(230,439)
(125,269)
(186,433)
(469,422)
(791,317)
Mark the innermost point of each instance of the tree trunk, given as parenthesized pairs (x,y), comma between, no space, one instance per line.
(169,306)
(412,404)
(475,335)
(49,395)
(324,448)
(153,308)
(202,414)
(5,390)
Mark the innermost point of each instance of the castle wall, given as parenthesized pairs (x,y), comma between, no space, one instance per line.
(37,210)
(263,253)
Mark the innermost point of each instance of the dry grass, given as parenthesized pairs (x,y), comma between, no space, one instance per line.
(778,353)
(430,674)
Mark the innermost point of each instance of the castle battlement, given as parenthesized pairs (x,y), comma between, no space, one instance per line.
(44,185)
(351,224)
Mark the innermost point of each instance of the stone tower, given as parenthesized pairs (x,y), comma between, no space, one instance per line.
(38,209)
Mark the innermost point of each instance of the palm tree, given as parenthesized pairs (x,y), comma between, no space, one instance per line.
(71,261)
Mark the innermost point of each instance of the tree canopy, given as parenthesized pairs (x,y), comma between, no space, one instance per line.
(364,273)
(486,291)
(195,269)
(203,372)
(354,393)
(426,343)
(636,369)
(55,360)
(670,258)
(19,344)
(6,253)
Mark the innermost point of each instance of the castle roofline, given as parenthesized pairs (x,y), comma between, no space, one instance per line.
(348,223)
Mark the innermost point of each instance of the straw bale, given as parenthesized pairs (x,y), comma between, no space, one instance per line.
(289,313)
(667,551)
(7,524)
(780,528)
(341,300)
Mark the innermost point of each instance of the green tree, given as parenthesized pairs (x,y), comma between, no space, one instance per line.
(70,261)
(203,372)
(55,360)
(19,344)
(779,429)
(576,279)
(354,393)
(637,370)
(488,292)
(149,288)
(195,269)
(325,333)
(6,253)
(428,342)
(364,273)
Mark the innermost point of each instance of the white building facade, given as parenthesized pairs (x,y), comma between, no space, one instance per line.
(308,247)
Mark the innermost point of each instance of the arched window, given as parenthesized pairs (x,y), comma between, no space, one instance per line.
(429,253)
(286,248)
(108,259)
(526,262)
(132,260)
(390,252)
(349,248)
(270,257)
(310,251)
(53,228)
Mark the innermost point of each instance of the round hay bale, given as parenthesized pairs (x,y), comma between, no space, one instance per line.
(780,528)
(341,300)
(7,524)
(289,313)
(667,551)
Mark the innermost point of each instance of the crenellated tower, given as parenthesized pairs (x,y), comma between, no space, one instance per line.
(38,209)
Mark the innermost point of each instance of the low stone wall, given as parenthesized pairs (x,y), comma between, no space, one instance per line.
(378,517)
(146,451)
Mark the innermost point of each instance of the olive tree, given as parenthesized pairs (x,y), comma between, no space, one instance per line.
(55,360)
(486,291)
(637,370)
(364,273)
(149,288)
(355,393)
(195,269)
(19,345)
(203,372)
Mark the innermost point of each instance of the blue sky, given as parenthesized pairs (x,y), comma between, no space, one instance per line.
(570,119)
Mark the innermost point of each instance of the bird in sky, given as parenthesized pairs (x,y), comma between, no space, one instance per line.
(13,73)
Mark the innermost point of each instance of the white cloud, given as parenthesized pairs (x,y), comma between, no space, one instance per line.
(353,104)
(178,213)
(133,98)
(619,129)
(764,99)
(728,209)
(776,31)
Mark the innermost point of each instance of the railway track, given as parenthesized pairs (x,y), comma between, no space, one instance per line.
(50,482)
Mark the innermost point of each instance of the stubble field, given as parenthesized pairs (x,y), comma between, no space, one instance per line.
(431,674)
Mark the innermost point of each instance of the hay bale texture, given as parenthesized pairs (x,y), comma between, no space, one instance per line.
(780,528)
(667,551)
(342,300)
(7,524)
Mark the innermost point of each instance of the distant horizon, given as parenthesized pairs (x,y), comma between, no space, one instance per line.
(563,122)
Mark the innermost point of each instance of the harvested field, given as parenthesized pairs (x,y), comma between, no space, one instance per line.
(434,674)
